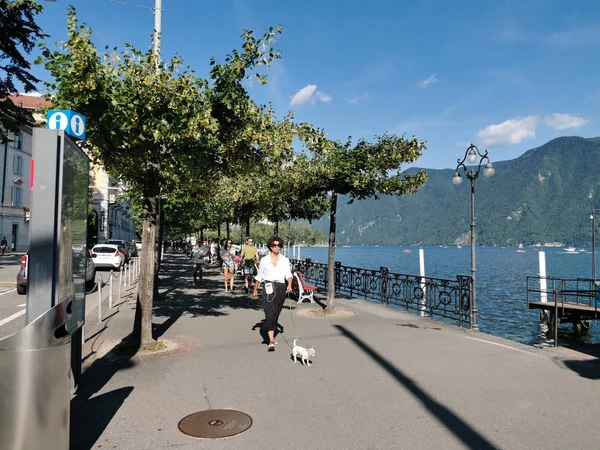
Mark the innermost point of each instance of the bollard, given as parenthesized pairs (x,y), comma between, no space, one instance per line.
(99,299)
(120,278)
(129,274)
(110,294)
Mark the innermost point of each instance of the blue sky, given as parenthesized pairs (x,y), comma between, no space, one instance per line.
(507,75)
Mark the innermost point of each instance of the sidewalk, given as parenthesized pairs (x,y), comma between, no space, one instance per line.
(381,379)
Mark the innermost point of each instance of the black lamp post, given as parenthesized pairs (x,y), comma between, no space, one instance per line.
(471,156)
(593,217)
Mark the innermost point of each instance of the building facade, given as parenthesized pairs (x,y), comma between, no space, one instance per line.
(15,194)
(114,219)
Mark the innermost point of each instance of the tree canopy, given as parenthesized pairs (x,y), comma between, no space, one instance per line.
(18,37)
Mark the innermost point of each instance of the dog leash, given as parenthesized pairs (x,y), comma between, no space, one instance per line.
(289,299)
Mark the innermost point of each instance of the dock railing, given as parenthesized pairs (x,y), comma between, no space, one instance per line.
(566,300)
(577,291)
(427,296)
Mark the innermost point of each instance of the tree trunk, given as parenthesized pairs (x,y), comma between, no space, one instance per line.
(201,237)
(227,230)
(331,254)
(219,233)
(143,321)
(248,227)
(276,228)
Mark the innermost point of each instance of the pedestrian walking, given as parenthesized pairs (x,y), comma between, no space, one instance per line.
(199,253)
(249,256)
(275,274)
(228,258)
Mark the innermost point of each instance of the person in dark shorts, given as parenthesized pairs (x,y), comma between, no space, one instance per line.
(249,256)
(275,274)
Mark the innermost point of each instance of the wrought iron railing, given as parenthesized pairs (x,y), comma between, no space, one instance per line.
(434,297)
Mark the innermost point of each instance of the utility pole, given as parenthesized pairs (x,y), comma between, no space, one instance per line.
(157,26)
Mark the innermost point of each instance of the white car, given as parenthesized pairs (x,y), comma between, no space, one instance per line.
(108,255)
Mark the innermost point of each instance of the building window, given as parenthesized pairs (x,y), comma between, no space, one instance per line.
(18,164)
(18,143)
(17,196)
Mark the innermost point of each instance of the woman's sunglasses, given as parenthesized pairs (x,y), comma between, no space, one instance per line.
(275,245)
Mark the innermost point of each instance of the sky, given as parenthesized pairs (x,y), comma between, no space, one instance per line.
(506,75)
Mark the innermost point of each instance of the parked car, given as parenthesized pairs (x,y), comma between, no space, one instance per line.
(108,255)
(90,272)
(123,247)
(133,251)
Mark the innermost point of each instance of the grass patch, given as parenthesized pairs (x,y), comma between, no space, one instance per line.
(154,347)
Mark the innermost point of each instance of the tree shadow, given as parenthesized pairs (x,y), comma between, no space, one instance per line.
(180,296)
(457,426)
(90,416)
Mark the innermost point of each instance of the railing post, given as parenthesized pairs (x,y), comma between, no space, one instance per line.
(385,273)
(338,275)
(110,294)
(308,265)
(99,299)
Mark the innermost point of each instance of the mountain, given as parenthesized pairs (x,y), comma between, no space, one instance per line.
(545,195)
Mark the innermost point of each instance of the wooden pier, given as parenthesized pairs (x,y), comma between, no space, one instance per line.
(567,311)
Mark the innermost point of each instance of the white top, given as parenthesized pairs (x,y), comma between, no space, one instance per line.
(279,273)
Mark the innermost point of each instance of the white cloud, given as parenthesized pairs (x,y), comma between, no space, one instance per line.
(427,81)
(559,122)
(358,98)
(323,97)
(309,95)
(304,95)
(509,132)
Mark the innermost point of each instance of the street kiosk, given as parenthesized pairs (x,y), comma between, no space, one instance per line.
(39,364)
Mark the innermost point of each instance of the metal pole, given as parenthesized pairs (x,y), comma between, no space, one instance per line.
(594,247)
(157,26)
(110,295)
(474,310)
(120,282)
(99,299)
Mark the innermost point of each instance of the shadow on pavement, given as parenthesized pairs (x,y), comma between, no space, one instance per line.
(457,426)
(180,296)
(90,416)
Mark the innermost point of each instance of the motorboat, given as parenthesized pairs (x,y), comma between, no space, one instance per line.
(570,250)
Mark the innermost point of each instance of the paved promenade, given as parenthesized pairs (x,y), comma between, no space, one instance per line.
(381,379)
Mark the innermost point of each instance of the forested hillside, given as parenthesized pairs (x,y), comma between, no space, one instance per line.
(545,195)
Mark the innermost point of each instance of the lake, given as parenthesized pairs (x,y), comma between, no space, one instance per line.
(501,280)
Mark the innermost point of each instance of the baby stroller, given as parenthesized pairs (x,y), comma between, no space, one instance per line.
(239,267)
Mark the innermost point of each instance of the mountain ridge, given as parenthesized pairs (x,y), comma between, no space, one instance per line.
(545,195)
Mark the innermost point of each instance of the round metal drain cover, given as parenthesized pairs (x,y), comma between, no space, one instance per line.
(215,423)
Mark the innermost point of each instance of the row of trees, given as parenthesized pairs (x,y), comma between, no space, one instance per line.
(198,152)
(298,233)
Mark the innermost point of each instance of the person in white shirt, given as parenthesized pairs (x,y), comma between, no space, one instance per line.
(275,273)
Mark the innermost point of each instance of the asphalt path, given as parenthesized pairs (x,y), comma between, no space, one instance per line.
(13,305)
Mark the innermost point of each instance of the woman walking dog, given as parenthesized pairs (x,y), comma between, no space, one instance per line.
(275,274)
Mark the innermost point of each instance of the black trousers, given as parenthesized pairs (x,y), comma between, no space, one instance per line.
(272,304)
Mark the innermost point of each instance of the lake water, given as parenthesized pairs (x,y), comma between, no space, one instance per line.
(501,280)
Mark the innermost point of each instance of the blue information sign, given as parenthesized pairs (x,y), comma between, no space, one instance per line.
(72,122)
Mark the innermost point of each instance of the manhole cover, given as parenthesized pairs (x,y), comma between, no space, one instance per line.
(215,423)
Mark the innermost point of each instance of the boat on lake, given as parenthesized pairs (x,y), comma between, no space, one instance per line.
(570,250)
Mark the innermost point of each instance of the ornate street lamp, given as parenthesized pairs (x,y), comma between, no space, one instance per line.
(471,156)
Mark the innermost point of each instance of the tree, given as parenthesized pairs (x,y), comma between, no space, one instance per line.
(19,31)
(363,170)
(157,125)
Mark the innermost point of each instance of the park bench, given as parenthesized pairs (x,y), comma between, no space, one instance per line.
(305,291)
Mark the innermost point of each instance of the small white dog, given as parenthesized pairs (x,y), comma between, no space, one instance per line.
(305,353)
